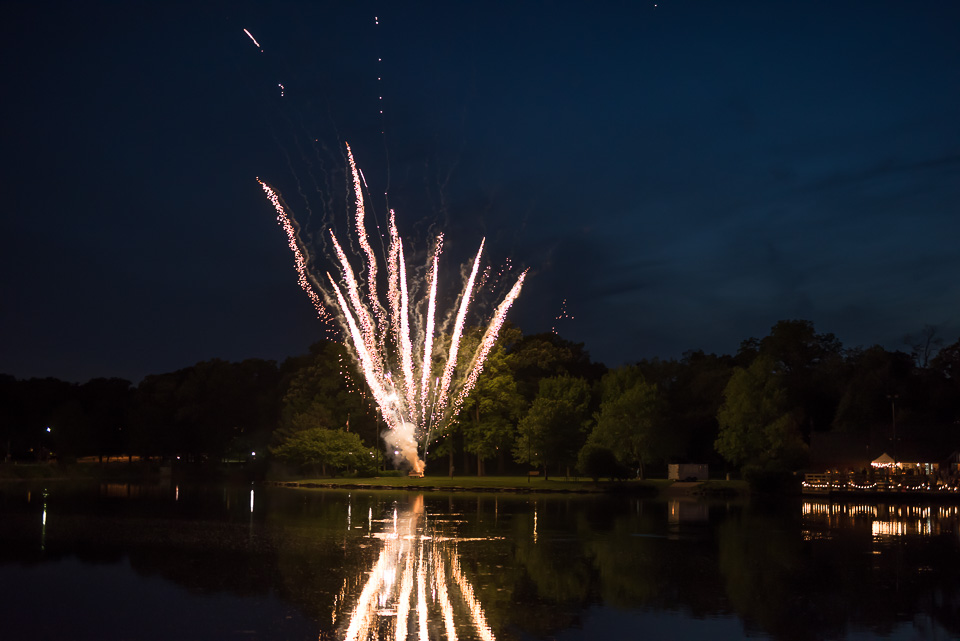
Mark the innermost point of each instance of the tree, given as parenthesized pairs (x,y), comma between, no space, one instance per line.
(154,428)
(325,390)
(924,347)
(596,461)
(947,362)
(691,391)
(875,375)
(221,402)
(491,411)
(810,366)
(630,420)
(552,431)
(107,402)
(540,356)
(42,403)
(945,367)
(327,386)
(206,410)
(759,433)
(318,448)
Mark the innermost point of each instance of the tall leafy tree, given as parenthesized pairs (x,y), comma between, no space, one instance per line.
(631,420)
(324,390)
(324,450)
(491,411)
(326,386)
(692,392)
(223,404)
(154,427)
(874,376)
(810,366)
(759,431)
(553,430)
(539,356)
(107,403)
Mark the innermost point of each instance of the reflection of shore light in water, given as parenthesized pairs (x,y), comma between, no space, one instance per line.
(432,592)
(43,522)
(392,343)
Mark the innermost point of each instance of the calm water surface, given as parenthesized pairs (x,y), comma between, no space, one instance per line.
(118,561)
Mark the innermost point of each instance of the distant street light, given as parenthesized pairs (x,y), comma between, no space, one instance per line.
(893,420)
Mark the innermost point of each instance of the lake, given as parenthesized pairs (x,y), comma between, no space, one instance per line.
(180,562)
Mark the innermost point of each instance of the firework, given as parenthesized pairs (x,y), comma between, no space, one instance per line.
(432,586)
(393,346)
(304,277)
(254,40)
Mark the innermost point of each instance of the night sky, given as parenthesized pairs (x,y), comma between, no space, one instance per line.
(683,173)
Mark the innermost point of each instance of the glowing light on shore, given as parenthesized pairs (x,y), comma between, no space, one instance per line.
(392,344)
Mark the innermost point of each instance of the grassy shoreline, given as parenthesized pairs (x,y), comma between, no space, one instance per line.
(521,484)
(145,472)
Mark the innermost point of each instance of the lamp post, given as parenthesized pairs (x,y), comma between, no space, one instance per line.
(40,440)
(893,421)
(528,457)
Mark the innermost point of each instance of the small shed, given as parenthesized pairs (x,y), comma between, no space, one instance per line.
(688,471)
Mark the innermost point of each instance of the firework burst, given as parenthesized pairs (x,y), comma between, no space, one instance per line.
(418,391)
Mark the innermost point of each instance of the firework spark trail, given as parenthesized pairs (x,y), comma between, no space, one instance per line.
(362,235)
(366,363)
(455,339)
(563,315)
(406,348)
(293,241)
(425,364)
(254,40)
(394,269)
(367,325)
(487,342)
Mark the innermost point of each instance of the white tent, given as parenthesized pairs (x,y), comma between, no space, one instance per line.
(884,460)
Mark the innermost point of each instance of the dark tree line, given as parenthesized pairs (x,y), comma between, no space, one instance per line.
(213,409)
(540,403)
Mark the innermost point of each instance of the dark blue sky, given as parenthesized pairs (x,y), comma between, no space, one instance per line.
(683,173)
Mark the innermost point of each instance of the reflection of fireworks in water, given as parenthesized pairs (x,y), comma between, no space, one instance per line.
(442,591)
(394,349)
